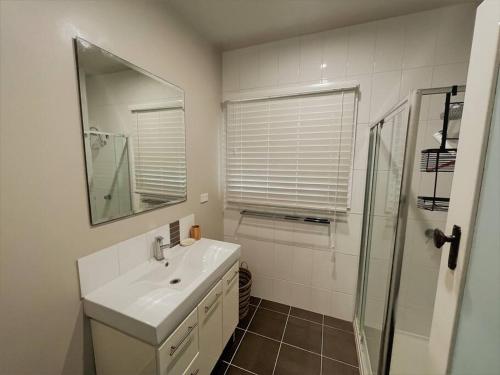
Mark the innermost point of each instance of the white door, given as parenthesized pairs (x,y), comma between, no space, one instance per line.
(476,118)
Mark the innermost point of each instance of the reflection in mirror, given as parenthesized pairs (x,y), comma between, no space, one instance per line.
(134,136)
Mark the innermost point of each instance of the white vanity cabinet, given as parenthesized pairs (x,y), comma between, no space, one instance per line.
(230,302)
(180,348)
(210,329)
(194,367)
(192,349)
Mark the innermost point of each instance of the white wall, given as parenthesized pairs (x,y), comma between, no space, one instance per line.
(388,58)
(44,218)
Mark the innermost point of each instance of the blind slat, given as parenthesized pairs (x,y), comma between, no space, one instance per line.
(291,153)
(159,153)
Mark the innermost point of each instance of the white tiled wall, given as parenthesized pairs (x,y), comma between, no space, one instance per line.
(103,266)
(291,263)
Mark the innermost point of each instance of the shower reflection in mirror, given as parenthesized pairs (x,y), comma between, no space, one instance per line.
(134,136)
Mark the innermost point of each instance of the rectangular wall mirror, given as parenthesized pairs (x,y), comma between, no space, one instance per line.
(133,133)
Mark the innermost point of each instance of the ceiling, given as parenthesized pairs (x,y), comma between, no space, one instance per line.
(233,24)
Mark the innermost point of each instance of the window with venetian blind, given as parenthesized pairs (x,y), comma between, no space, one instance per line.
(291,152)
(159,153)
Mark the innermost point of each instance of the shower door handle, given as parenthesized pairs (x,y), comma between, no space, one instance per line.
(440,239)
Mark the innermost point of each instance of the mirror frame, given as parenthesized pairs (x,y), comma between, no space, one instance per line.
(79,40)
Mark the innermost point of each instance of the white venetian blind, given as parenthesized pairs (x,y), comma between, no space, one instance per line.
(159,152)
(293,152)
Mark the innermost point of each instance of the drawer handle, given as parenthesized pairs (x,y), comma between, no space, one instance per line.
(232,278)
(207,308)
(196,372)
(174,348)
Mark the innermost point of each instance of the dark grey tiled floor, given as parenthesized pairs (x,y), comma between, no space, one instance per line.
(283,340)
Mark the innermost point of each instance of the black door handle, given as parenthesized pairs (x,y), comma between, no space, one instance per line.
(440,239)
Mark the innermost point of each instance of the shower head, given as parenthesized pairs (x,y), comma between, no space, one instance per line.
(100,139)
(456,110)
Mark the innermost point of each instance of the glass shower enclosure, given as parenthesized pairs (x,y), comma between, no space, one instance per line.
(389,198)
(109,187)
(388,143)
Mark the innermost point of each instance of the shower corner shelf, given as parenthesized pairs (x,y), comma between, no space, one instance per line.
(442,159)
(433,203)
(438,160)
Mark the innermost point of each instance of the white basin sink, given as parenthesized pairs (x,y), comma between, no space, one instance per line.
(151,300)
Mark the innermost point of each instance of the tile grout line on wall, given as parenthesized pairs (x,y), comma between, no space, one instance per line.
(242,337)
(282,337)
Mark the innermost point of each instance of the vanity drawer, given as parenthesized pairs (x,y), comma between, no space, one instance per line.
(231,277)
(210,303)
(230,302)
(194,367)
(210,329)
(179,350)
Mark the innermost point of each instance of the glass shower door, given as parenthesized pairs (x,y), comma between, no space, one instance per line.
(109,185)
(387,145)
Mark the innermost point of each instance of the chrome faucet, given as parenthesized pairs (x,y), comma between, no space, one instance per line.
(158,248)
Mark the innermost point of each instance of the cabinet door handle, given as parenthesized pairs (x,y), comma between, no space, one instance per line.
(174,348)
(232,278)
(207,308)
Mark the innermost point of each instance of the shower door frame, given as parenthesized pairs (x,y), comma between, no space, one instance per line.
(413,101)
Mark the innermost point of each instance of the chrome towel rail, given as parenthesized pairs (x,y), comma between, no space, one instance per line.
(296,218)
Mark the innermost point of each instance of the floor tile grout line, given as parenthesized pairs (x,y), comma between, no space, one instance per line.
(282,337)
(242,337)
(338,360)
(298,347)
(268,309)
(264,336)
(305,350)
(339,329)
(308,351)
(322,329)
(284,343)
(244,369)
(293,316)
(307,320)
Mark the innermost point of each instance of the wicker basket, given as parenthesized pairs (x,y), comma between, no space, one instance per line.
(245,289)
